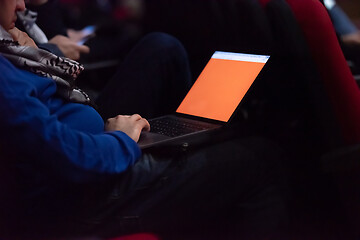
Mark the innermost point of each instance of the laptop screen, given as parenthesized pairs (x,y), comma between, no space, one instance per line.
(222,85)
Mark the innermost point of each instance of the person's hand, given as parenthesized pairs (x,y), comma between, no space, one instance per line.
(131,125)
(22,37)
(69,48)
(75,35)
(351,39)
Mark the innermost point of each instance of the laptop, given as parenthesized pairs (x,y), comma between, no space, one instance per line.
(211,101)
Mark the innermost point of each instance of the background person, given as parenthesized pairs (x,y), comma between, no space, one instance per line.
(348,32)
(101,51)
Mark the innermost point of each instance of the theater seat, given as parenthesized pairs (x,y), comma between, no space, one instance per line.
(341,161)
(331,64)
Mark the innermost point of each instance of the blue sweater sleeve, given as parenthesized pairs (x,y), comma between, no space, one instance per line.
(30,132)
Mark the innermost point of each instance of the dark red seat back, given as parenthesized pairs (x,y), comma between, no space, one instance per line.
(339,83)
(298,92)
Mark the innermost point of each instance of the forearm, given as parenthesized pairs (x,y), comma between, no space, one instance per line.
(69,154)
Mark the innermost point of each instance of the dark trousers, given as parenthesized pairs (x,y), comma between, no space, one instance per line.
(230,190)
(151,81)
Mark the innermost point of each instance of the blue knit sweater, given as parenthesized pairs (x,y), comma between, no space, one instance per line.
(63,139)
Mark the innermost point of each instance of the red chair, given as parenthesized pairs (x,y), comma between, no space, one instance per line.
(341,87)
(343,94)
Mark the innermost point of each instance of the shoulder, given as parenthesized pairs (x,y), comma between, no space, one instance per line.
(14,80)
(4,63)
(9,73)
(7,68)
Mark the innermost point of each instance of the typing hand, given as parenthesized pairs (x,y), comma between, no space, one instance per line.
(22,37)
(131,125)
(69,48)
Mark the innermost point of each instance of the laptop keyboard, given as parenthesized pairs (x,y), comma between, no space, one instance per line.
(174,127)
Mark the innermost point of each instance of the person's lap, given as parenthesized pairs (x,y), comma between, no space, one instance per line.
(229,188)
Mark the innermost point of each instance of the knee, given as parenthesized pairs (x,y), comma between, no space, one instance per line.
(162,42)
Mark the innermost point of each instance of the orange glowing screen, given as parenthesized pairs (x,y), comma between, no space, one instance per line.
(222,85)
